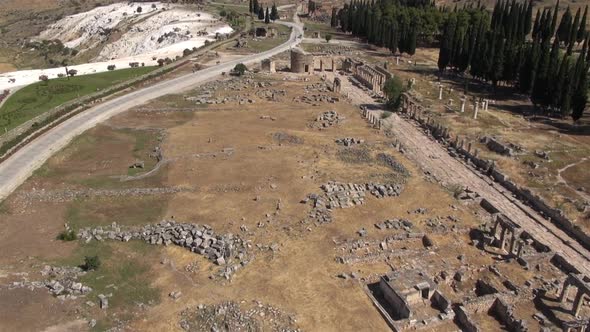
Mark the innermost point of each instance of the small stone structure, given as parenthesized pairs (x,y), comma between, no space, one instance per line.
(506,227)
(403,296)
(373,77)
(301,62)
(267,65)
(337,85)
(582,287)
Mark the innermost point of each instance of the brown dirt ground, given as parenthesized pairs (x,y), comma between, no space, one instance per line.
(301,278)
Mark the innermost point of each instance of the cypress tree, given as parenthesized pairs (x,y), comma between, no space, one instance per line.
(334,18)
(528,18)
(563,31)
(498,63)
(573,33)
(552,71)
(250,7)
(557,92)
(412,41)
(582,30)
(267,16)
(274,13)
(261,13)
(536,25)
(255,7)
(554,20)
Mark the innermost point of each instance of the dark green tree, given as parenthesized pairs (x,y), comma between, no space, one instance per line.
(582,29)
(261,13)
(274,12)
(393,89)
(267,16)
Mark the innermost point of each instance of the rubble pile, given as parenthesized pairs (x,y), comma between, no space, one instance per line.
(271,94)
(69,195)
(61,282)
(395,223)
(317,87)
(344,195)
(226,250)
(230,316)
(349,141)
(282,138)
(314,99)
(390,162)
(327,119)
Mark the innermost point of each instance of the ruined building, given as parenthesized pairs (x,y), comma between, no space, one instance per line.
(372,77)
(301,62)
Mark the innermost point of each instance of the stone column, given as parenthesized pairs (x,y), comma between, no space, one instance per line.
(487,104)
(440,91)
(333,66)
(519,250)
(321,65)
(564,291)
(512,241)
(577,302)
(476,108)
(462,105)
(503,238)
(397,60)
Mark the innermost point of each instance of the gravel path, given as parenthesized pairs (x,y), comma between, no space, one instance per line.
(15,170)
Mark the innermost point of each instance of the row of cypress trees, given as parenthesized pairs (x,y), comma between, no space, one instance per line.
(543,59)
(537,58)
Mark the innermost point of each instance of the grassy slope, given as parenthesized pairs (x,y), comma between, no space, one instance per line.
(40,97)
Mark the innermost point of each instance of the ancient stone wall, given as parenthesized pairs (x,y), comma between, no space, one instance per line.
(399,304)
(504,313)
(467,325)
(301,62)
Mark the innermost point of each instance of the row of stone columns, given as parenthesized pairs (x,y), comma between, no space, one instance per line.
(371,118)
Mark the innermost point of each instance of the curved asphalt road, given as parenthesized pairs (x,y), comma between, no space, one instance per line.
(15,170)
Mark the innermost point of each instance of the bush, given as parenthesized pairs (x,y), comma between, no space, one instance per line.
(222,13)
(393,90)
(91,263)
(385,115)
(67,235)
(43,78)
(139,9)
(186,52)
(240,69)
(111,67)
(328,37)
(72,72)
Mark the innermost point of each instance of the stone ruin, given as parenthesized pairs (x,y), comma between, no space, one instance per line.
(408,299)
(60,282)
(327,119)
(232,316)
(349,141)
(345,195)
(337,86)
(227,250)
(500,148)
(268,65)
(372,77)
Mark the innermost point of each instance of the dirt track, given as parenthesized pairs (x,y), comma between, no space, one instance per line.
(432,157)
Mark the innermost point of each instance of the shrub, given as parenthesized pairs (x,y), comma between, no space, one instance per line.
(111,67)
(328,37)
(393,90)
(139,9)
(67,235)
(43,78)
(385,115)
(72,72)
(91,263)
(240,69)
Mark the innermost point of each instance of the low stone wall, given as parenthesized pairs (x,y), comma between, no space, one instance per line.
(505,314)
(463,149)
(462,318)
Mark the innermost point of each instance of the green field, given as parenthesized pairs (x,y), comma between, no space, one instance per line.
(40,97)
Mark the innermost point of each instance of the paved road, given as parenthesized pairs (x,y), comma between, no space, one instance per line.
(433,157)
(15,170)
